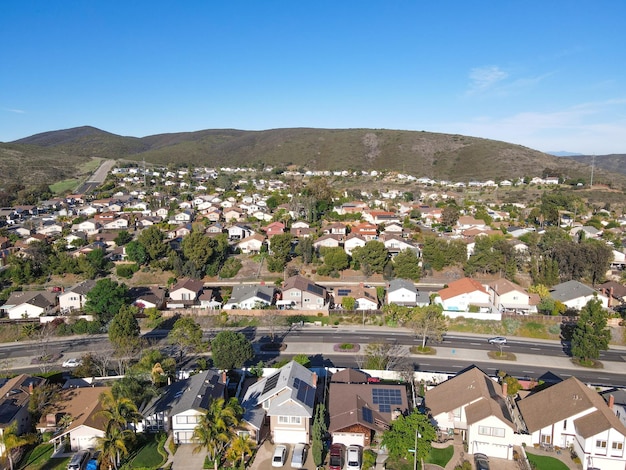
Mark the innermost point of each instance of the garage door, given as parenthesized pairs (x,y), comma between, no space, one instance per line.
(491,450)
(290,436)
(349,438)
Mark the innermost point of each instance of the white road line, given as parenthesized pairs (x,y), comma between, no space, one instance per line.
(529,371)
(536,349)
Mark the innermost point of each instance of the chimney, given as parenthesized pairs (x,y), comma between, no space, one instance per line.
(611,402)
(224,377)
(51,420)
(361,285)
(30,388)
(314,379)
(610,297)
(505,388)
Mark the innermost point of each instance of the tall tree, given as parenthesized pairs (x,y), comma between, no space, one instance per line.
(9,441)
(429,322)
(450,216)
(124,328)
(240,446)
(230,350)
(401,437)
(215,432)
(318,434)
(280,247)
(113,446)
(106,298)
(591,334)
(198,249)
(406,265)
(152,240)
(186,334)
(372,257)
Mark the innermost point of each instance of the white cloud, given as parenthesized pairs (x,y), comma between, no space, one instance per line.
(484,78)
(17,111)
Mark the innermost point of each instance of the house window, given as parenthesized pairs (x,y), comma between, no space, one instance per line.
(601,444)
(457,413)
(489,431)
(187,419)
(244,434)
(564,424)
(617,445)
(289,419)
(294,420)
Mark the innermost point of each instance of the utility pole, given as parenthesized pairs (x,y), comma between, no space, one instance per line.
(593,164)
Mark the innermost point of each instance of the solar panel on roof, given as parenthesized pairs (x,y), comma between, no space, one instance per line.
(270,383)
(386,396)
(296,383)
(315,289)
(343,291)
(367,415)
(384,408)
(306,394)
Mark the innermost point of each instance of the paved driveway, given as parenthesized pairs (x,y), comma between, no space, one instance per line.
(263,458)
(185,459)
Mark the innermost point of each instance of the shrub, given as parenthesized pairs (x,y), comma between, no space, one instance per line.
(126,270)
(230,268)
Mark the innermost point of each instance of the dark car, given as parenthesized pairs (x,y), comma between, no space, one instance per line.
(481,461)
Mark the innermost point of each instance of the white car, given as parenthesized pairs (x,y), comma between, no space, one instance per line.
(353,458)
(72,362)
(497,340)
(280,455)
(298,456)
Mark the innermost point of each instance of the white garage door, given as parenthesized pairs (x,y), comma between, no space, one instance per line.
(290,436)
(349,438)
(491,450)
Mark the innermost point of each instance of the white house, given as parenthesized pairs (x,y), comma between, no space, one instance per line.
(575,294)
(463,293)
(75,297)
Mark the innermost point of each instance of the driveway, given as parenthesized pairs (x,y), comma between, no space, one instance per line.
(263,457)
(185,459)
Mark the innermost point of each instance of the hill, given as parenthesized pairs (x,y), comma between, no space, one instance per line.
(439,156)
(615,163)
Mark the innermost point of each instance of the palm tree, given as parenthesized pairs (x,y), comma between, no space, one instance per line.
(215,429)
(9,440)
(112,446)
(119,411)
(241,446)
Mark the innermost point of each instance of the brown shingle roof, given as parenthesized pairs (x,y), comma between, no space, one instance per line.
(461,286)
(83,405)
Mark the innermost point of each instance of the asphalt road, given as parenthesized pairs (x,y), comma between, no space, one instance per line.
(321,339)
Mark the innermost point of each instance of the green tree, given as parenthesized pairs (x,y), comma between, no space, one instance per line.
(429,322)
(591,334)
(401,437)
(305,250)
(406,265)
(9,441)
(186,335)
(318,434)
(240,446)
(123,237)
(450,216)
(303,360)
(118,411)
(198,249)
(280,247)
(382,356)
(335,260)
(439,252)
(348,303)
(124,329)
(230,350)
(153,240)
(372,257)
(105,299)
(113,446)
(215,431)
(136,252)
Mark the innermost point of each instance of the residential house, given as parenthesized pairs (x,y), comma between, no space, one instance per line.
(75,297)
(304,293)
(251,244)
(570,414)
(182,404)
(506,296)
(614,291)
(352,241)
(30,304)
(463,294)
(185,293)
(15,396)
(367,230)
(366,297)
(403,292)
(250,297)
(239,232)
(381,217)
(275,228)
(575,294)
(148,296)
(466,222)
(215,229)
(90,227)
(183,217)
(327,241)
(233,214)
(336,228)
(358,409)
(395,244)
(474,405)
(286,398)
(615,399)
(83,409)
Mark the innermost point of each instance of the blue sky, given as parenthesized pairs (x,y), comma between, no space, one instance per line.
(550,75)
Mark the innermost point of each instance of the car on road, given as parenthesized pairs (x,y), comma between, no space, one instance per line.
(73,362)
(280,455)
(298,456)
(481,461)
(497,340)
(353,458)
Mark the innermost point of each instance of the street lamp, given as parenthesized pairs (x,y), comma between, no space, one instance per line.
(414,451)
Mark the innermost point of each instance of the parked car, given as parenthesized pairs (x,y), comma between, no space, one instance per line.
(78,461)
(280,455)
(497,340)
(73,362)
(298,456)
(353,458)
(481,461)
(336,457)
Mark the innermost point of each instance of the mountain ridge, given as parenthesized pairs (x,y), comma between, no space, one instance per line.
(435,155)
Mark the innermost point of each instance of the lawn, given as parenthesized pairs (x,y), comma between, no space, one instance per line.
(543,462)
(440,456)
(151,455)
(39,458)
